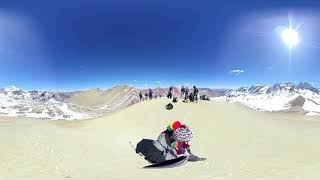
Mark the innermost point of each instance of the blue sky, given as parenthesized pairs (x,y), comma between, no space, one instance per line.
(70,45)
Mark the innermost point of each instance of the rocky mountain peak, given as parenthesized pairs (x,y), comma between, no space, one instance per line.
(305,85)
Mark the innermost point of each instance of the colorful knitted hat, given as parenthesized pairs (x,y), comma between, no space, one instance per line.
(174,125)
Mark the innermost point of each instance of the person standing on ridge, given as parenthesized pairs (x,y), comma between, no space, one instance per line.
(186,94)
(140,96)
(150,94)
(195,93)
(170,92)
(182,91)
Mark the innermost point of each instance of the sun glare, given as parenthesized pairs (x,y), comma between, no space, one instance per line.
(290,37)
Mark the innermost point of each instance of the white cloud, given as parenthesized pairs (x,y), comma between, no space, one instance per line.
(236,72)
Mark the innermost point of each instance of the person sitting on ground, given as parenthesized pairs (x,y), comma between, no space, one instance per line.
(171,143)
(205,97)
(191,97)
(175,100)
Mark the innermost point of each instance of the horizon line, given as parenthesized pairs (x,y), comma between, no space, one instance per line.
(148,87)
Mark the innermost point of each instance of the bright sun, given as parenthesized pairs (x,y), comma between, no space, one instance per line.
(290,37)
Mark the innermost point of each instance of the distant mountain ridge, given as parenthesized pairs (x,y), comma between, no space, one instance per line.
(302,97)
(288,96)
(78,104)
(109,100)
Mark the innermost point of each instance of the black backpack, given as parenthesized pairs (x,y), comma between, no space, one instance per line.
(169,106)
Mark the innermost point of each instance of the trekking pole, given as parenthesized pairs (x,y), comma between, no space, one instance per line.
(134,148)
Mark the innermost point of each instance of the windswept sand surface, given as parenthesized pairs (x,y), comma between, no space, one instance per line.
(239,143)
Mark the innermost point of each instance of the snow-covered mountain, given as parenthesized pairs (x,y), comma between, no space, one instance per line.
(65,105)
(16,102)
(278,97)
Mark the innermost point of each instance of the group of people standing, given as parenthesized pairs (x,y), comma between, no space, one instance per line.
(192,97)
(186,94)
(148,95)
